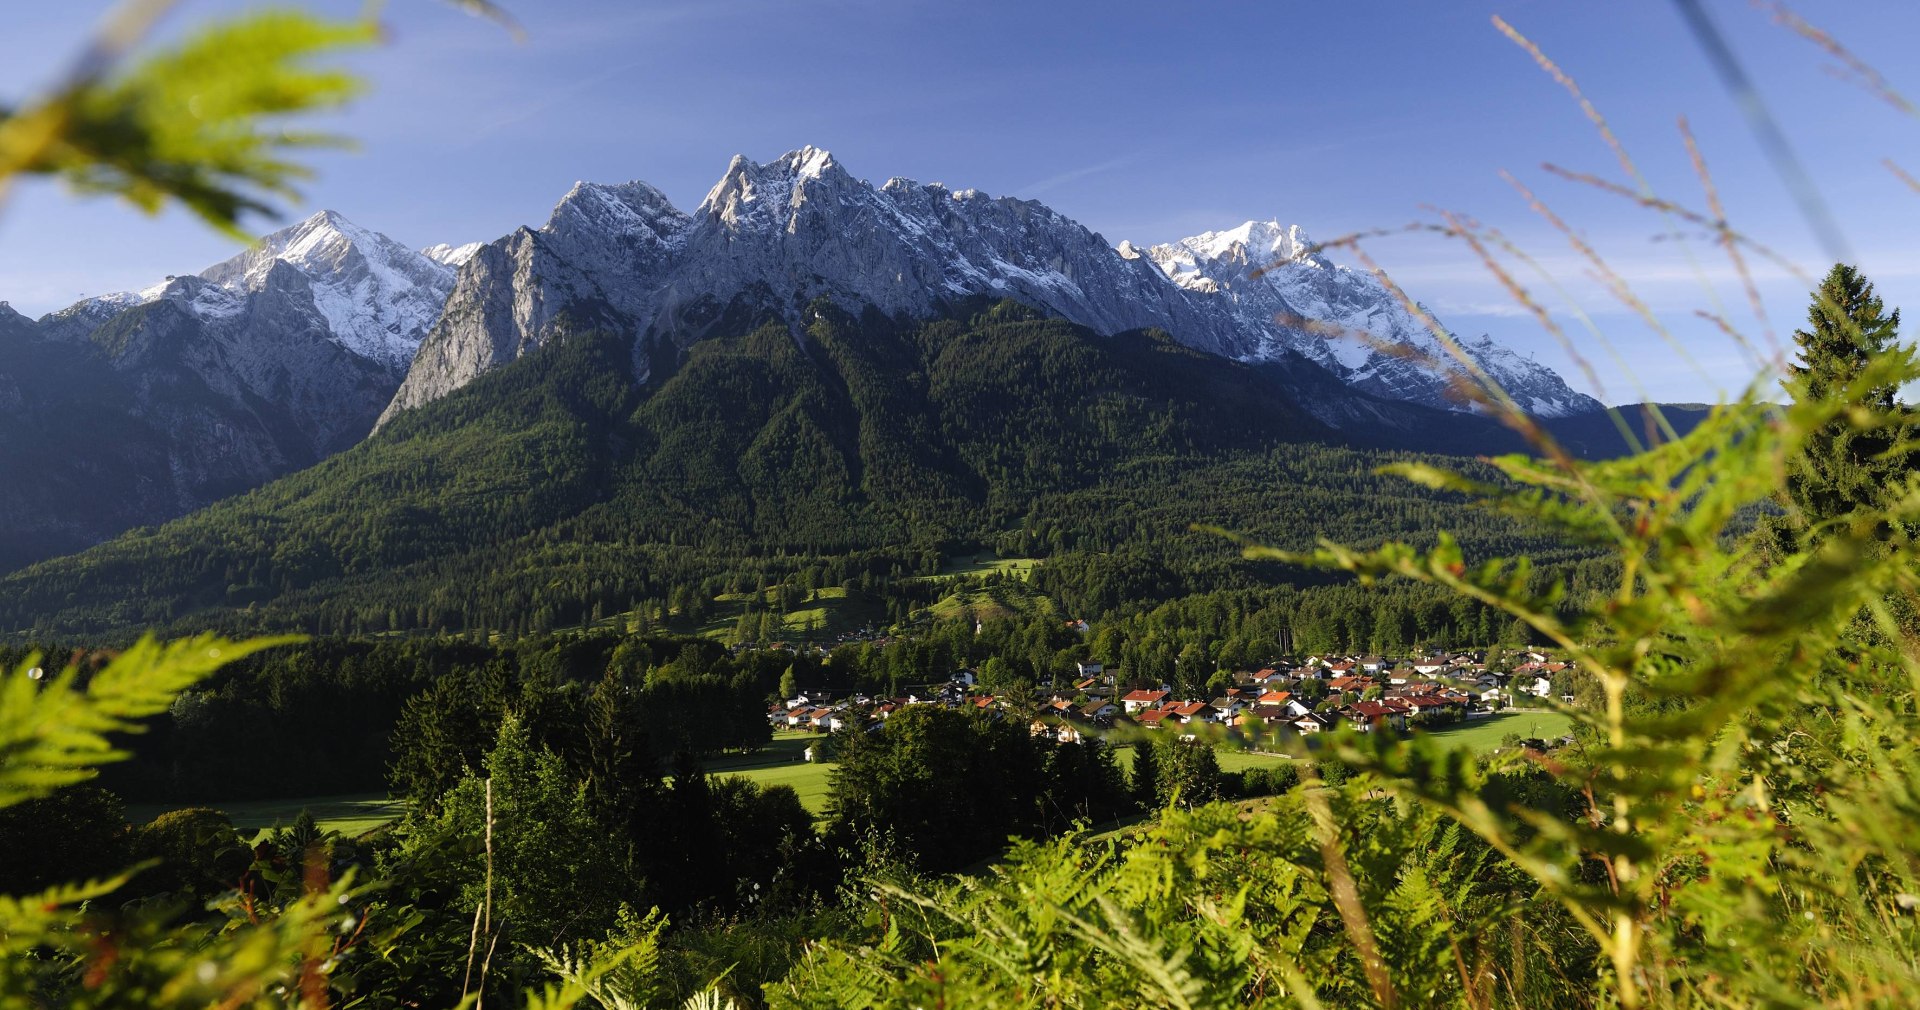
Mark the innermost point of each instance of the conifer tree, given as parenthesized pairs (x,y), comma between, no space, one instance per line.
(1845,467)
(620,771)
(789,684)
(1145,781)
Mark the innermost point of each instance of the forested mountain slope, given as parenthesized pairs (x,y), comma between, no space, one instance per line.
(138,407)
(559,487)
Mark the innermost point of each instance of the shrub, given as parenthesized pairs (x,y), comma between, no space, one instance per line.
(198,850)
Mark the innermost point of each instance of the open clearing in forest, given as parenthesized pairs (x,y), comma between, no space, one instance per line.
(823,614)
(352,814)
(985,565)
(1485,734)
(782,764)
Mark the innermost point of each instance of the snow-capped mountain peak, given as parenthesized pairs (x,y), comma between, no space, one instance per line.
(293,347)
(629,209)
(771,236)
(378,297)
(752,194)
(451,255)
(1270,279)
(1255,243)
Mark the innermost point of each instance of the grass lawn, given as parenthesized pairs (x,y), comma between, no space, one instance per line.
(825,613)
(1231,760)
(811,781)
(986,565)
(1482,734)
(1485,734)
(994,602)
(780,764)
(349,815)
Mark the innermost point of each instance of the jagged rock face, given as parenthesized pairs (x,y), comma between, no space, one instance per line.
(597,263)
(1358,331)
(311,331)
(804,228)
(271,355)
(451,255)
(14,326)
(376,296)
(776,236)
(771,238)
(260,365)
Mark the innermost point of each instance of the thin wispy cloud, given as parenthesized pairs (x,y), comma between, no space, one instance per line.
(1054,182)
(553,99)
(1503,310)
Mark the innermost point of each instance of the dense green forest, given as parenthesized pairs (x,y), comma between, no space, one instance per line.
(1733,822)
(558,491)
(405,713)
(1717,831)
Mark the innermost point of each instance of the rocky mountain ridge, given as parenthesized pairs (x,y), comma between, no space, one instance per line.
(296,348)
(202,386)
(770,238)
(1272,281)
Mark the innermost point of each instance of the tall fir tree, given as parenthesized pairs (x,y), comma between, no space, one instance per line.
(1144,784)
(621,775)
(1846,466)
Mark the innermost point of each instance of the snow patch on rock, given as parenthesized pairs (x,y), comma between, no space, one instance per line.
(1272,281)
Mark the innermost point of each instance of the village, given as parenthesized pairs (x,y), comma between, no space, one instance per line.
(1314,695)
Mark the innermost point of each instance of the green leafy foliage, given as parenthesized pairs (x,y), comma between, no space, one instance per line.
(946,788)
(1728,686)
(1216,907)
(203,124)
(57,733)
(77,832)
(1731,827)
(56,946)
(518,839)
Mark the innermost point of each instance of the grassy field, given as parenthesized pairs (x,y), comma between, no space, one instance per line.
(826,613)
(1230,760)
(780,764)
(349,815)
(1008,599)
(983,565)
(1485,734)
(1482,734)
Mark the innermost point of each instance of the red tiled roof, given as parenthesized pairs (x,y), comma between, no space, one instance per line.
(1147,696)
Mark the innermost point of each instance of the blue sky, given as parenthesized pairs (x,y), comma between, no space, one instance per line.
(1144,121)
